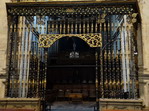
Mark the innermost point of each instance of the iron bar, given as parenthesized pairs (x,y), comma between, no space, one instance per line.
(96,80)
(67,66)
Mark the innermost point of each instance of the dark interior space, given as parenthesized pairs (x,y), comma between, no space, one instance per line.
(72,69)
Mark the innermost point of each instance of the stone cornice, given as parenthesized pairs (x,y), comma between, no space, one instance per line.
(144,76)
(71,8)
(72,2)
(3,76)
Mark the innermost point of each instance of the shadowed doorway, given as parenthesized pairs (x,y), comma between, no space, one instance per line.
(71,69)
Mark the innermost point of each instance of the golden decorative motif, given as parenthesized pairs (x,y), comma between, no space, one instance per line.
(70,10)
(92,39)
(101,18)
(32,10)
(134,15)
(133,19)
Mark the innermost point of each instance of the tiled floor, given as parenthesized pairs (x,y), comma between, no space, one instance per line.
(66,106)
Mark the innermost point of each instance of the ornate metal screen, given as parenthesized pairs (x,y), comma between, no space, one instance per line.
(110,27)
(92,39)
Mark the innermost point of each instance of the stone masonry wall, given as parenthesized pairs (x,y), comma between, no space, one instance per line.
(3,44)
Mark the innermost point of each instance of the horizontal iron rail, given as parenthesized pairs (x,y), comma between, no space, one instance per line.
(70,3)
(71,66)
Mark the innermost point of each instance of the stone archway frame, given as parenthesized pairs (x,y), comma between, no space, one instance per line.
(92,39)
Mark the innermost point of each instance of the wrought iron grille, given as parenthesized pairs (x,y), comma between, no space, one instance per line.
(27,63)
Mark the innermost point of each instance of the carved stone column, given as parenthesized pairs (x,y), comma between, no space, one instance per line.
(144,66)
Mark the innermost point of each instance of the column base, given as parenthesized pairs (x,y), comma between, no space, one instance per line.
(20,103)
(121,104)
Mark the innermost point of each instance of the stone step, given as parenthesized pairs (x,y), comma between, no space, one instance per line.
(69,110)
(120,110)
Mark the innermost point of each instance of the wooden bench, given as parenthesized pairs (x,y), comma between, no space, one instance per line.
(75,97)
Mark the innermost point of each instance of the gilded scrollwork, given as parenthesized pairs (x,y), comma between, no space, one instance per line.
(92,39)
(134,15)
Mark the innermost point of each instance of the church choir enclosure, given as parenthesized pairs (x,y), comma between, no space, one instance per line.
(59,49)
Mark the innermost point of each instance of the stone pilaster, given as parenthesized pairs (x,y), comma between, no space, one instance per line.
(144,75)
(3,45)
(144,6)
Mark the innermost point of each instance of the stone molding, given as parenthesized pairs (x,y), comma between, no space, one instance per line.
(127,104)
(20,103)
(144,76)
(2,76)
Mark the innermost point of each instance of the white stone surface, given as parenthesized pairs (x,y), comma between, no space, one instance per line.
(144,87)
(3,35)
(144,7)
(2,88)
(3,43)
